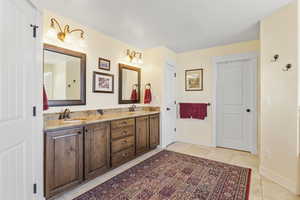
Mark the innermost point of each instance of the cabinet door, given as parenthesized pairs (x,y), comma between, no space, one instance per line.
(63,160)
(97,149)
(142,135)
(154,131)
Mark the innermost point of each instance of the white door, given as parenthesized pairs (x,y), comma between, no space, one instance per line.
(236,107)
(17,61)
(170,104)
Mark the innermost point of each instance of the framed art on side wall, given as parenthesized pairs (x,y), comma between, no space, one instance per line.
(194,80)
(103,83)
(104,64)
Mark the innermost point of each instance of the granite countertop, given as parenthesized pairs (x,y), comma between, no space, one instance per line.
(50,125)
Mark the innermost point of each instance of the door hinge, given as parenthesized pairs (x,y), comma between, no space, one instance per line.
(34,188)
(175,129)
(175,102)
(34,28)
(175,75)
(34,111)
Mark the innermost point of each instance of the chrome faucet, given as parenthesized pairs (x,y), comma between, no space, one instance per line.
(132,108)
(65,114)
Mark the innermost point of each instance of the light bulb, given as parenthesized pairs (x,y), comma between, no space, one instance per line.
(69,38)
(134,60)
(140,61)
(52,33)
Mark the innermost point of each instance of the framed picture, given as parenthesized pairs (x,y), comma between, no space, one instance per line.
(104,64)
(194,80)
(103,83)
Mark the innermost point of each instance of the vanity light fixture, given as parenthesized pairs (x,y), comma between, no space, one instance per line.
(134,56)
(65,33)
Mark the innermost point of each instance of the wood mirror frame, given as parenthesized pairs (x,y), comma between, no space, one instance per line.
(138,70)
(82,57)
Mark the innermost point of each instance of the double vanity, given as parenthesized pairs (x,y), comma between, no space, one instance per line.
(80,146)
(84,147)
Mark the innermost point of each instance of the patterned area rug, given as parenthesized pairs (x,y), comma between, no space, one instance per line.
(170,175)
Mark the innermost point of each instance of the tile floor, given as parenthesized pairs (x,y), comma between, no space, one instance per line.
(260,189)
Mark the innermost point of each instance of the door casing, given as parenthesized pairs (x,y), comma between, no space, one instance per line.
(165,140)
(236,57)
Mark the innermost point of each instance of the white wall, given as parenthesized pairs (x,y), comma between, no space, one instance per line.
(279,93)
(198,131)
(97,45)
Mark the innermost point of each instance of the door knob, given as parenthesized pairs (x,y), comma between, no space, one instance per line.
(168,109)
(248,110)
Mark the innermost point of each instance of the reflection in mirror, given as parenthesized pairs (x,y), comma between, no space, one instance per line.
(61,76)
(64,76)
(129,84)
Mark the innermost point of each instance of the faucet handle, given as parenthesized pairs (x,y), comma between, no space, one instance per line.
(60,116)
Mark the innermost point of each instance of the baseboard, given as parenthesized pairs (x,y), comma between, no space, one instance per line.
(195,143)
(279,179)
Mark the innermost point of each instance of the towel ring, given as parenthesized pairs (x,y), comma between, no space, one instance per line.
(135,86)
(148,85)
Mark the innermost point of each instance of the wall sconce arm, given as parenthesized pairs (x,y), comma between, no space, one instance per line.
(77,30)
(53,22)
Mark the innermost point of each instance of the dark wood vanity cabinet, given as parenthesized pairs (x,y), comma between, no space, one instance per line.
(96,149)
(154,121)
(123,141)
(74,155)
(142,135)
(63,160)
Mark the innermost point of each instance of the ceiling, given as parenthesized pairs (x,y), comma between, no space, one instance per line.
(180,25)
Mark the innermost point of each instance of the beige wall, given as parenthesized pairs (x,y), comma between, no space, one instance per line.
(196,131)
(279,93)
(156,60)
(98,45)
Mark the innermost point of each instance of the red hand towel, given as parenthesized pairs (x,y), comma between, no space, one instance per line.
(148,96)
(185,110)
(45,100)
(134,95)
(199,111)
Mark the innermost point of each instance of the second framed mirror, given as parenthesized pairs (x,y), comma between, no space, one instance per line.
(129,84)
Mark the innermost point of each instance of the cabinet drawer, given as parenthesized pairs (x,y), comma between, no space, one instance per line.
(122,123)
(122,157)
(121,144)
(122,132)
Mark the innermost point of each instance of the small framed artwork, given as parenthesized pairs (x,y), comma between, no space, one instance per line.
(194,80)
(103,83)
(104,64)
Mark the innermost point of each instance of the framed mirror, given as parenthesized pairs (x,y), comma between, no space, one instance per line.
(64,76)
(129,84)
